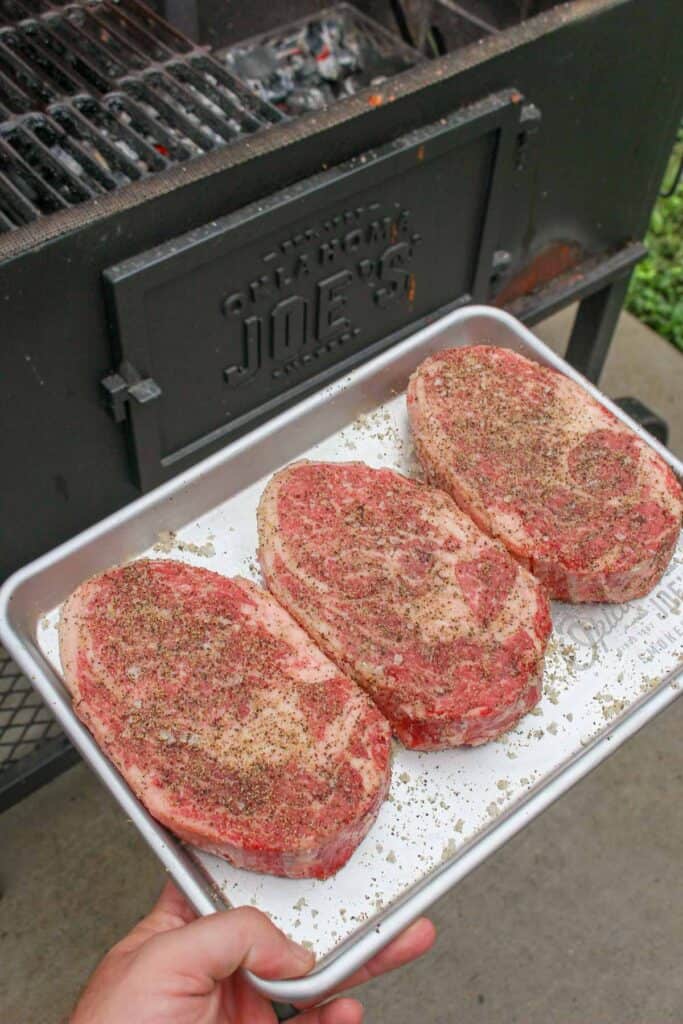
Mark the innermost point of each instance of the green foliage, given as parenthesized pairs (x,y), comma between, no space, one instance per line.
(656,292)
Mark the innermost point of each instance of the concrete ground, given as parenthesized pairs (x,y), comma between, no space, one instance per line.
(578,920)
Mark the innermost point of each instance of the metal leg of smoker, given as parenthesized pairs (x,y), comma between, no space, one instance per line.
(593,328)
(650,420)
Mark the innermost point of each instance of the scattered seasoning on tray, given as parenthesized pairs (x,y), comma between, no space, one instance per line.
(168,541)
(449,849)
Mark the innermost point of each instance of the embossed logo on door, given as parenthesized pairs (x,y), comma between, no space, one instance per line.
(301,307)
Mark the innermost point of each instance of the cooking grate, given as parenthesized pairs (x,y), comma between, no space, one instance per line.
(98,95)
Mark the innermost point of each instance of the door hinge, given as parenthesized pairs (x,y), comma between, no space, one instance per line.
(125,386)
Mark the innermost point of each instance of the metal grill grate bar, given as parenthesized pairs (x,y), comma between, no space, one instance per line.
(60,78)
(210,98)
(13,11)
(145,158)
(155,101)
(67,150)
(18,177)
(110,158)
(63,175)
(5,223)
(149,21)
(67,55)
(12,98)
(113,19)
(73,35)
(16,208)
(233,91)
(163,84)
(106,39)
(33,90)
(149,128)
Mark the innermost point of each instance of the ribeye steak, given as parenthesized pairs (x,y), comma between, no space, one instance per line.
(573,494)
(434,619)
(228,723)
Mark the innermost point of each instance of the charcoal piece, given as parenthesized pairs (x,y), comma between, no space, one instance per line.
(311,64)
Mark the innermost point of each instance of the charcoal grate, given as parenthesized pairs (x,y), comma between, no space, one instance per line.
(97,95)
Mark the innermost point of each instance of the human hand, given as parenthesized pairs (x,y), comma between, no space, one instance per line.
(175,968)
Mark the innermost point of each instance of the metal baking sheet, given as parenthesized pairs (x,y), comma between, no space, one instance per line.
(609,669)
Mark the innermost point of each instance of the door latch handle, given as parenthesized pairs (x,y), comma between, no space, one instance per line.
(125,386)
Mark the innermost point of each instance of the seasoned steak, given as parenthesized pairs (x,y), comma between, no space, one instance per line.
(443,629)
(224,718)
(573,494)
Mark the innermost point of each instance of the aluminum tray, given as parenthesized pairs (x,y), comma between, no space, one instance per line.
(610,669)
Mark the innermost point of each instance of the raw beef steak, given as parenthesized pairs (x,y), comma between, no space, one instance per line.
(444,630)
(573,494)
(224,718)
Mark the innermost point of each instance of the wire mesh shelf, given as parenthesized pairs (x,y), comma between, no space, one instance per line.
(33,747)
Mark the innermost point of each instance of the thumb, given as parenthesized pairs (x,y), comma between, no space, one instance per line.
(214,947)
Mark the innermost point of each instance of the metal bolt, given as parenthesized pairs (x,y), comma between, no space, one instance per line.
(530,118)
(501,260)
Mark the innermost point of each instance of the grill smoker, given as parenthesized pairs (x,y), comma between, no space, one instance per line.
(183,253)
